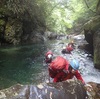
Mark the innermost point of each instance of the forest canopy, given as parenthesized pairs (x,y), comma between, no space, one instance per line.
(66,14)
(54,15)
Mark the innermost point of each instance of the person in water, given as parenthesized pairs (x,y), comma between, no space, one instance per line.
(67,49)
(68,71)
(71,43)
(48,57)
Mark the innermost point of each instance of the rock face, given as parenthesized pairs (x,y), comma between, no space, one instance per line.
(94,93)
(13,31)
(50,35)
(17,26)
(92,36)
(96,45)
(70,89)
(63,90)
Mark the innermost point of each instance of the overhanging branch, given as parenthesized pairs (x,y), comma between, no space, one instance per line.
(88,6)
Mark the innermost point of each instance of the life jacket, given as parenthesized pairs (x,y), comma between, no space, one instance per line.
(58,64)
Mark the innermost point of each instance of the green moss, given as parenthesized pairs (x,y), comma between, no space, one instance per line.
(2,10)
(2,22)
(93,24)
(96,61)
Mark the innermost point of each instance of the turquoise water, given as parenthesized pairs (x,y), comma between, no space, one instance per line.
(20,64)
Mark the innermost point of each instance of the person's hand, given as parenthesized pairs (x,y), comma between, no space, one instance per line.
(88,87)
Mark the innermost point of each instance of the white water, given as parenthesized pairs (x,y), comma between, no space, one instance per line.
(89,73)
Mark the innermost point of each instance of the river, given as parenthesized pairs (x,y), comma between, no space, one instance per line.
(24,64)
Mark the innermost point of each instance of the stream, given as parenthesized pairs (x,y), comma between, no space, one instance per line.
(24,64)
(89,73)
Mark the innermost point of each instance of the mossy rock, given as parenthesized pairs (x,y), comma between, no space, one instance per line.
(2,25)
(13,31)
(1,29)
(90,29)
(93,24)
(2,22)
(97,49)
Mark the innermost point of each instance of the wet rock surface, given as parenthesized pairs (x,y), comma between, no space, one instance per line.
(92,32)
(70,89)
(93,90)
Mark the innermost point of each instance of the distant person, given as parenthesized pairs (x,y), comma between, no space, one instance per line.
(60,70)
(71,44)
(64,50)
(70,47)
(67,49)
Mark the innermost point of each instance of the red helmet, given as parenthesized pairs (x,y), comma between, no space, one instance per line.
(69,48)
(49,53)
(48,57)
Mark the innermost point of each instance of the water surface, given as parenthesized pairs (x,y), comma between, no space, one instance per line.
(20,64)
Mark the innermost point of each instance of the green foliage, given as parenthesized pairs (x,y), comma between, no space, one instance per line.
(67,14)
(54,15)
(57,20)
(2,22)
